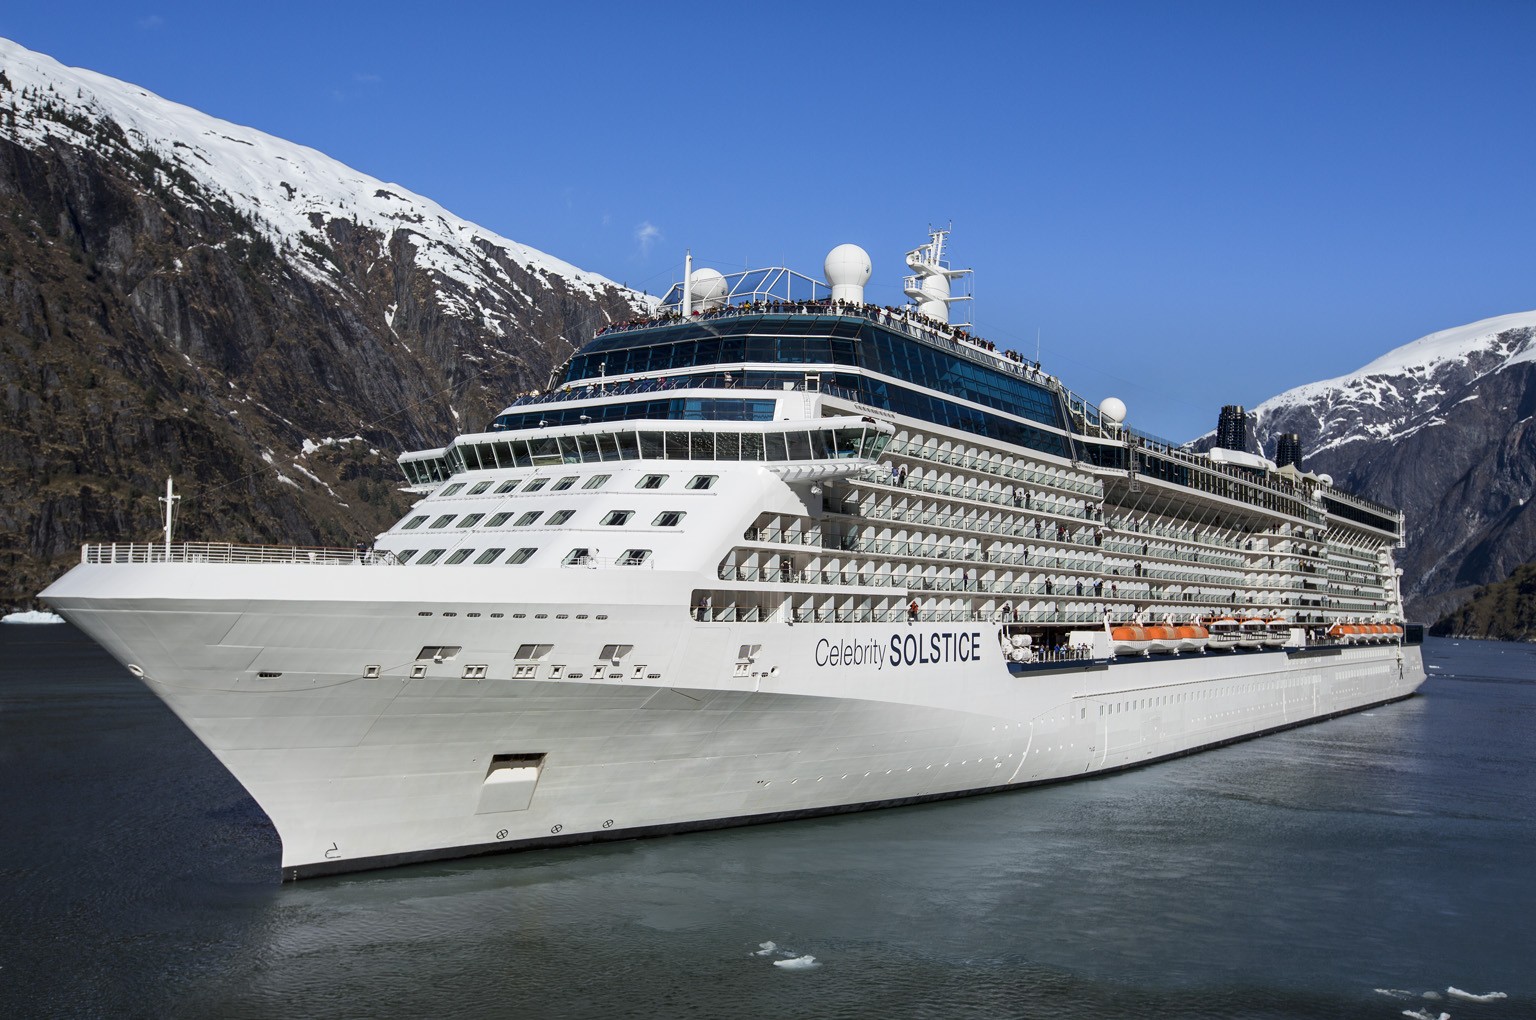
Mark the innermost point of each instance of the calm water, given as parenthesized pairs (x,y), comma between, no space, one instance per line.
(1284,877)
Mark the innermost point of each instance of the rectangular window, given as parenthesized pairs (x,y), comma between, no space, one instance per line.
(478,489)
(459,556)
(488,556)
(528,518)
(652,482)
(617,518)
(634,557)
(596,481)
(536,485)
(438,652)
(450,490)
(533,651)
(497,520)
(431,556)
(521,555)
(668,519)
(577,557)
(442,522)
(471,520)
(559,517)
(564,483)
(702,481)
(404,555)
(414,522)
(507,486)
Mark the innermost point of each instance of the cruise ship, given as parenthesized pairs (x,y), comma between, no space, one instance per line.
(771,551)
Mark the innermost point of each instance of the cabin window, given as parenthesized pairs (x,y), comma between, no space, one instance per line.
(559,517)
(452,489)
(536,485)
(617,518)
(507,486)
(668,519)
(564,483)
(478,489)
(431,556)
(488,556)
(634,557)
(459,556)
(471,520)
(442,522)
(521,555)
(414,522)
(652,482)
(596,481)
(702,481)
(497,520)
(577,557)
(528,518)
(404,555)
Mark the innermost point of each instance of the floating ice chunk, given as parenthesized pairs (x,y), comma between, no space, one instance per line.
(32,616)
(764,948)
(1424,1014)
(798,963)
(1436,996)
(1472,997)
(1395,993)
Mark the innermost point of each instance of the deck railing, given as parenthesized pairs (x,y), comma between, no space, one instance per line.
(229,552)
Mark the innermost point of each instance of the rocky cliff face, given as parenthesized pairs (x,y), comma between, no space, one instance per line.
(182,296)
(1445,428)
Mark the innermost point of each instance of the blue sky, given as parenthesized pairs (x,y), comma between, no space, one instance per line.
(1191,203)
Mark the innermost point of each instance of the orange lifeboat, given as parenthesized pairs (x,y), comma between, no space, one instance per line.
(1161,638)
(1129,640)
(1192,637)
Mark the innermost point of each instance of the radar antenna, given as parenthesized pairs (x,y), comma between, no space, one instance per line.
(929,285)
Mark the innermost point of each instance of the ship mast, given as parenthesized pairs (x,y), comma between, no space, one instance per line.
(169,499)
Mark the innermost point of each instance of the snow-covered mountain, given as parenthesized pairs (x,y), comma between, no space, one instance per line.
(288,192)
(182,295)
(1444,427)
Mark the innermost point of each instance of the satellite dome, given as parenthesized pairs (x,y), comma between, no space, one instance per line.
(1112,410)
(1326,480)
(706,289)
(848,268)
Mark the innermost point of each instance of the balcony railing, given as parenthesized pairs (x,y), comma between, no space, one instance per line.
(228,552)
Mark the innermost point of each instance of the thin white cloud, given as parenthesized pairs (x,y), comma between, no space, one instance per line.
(646,235)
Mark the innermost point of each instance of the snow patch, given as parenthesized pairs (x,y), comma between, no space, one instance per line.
(798,963)
(1472,997)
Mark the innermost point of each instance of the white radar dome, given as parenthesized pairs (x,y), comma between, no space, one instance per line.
(1326,480)
(706,289)
(1112,410)
(848,268)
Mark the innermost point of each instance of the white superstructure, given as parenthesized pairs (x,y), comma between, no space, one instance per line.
(780,556)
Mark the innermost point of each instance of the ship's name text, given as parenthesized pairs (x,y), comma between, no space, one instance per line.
(903,650)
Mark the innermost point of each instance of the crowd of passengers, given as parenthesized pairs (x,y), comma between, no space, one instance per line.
(885,314)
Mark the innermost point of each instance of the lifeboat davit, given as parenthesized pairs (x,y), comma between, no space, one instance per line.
(1162,639)
(1223,635)
(1129,640)
(1192,637)
(1339,632)
(1250,633)
(1277,633)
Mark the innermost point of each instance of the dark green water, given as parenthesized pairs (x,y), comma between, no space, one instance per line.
(1290,876)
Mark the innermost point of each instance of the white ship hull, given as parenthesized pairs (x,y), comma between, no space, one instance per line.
(700,725)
